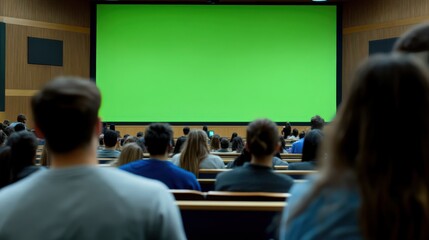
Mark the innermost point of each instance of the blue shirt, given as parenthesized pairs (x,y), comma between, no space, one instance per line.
(332,214)
(165,171)
(297,146)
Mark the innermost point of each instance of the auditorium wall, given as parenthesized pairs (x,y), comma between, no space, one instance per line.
(69,20)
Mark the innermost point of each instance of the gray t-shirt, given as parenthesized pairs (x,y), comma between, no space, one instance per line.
(86,202)
(210,162)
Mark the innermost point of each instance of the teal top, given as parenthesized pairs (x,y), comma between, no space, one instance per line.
(333,214)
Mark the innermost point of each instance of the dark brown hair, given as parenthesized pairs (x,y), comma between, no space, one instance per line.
(64,102)
(393,184)
(262,137)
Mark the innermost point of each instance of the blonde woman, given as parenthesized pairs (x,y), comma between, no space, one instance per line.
(196,154)
(130,153)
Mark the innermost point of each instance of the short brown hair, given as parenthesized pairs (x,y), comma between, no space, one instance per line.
(77,102)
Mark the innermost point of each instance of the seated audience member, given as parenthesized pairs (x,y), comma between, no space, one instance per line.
(237,145)
(196,155)
(312,142)
(234,134)
(294,136)
(297,146)
(23,147)
(19,127)
(206,130)
(286,131)
(282,145)
(140,134)
(9,130)
(75,199)
(317,122)
(5,173)
(130,139)
(224,145)
(181,140)
(158,142)
(215,143)
(257,176)
(415,41)
(365,189)
(110,140)
(245,157)
(6,122)
(20,119)
(130,153)
(123,139)
(3,138)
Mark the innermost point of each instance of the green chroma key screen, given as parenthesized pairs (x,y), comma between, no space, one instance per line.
(216,63)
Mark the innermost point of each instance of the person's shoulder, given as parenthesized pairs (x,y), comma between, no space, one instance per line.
(214,157)
(134,164)
(13,192)
(128,180)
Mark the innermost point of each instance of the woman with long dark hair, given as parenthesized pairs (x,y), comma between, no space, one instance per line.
(366,189)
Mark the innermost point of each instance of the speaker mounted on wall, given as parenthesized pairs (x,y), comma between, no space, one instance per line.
(44,51)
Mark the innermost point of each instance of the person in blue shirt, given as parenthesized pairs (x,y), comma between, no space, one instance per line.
(297,146)
(158,142)
(366,189)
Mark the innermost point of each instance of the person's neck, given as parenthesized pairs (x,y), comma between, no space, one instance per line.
(163,157)
(266,161)
(110,148)
(81,156)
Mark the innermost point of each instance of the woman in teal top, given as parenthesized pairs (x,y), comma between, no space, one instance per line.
(366,189)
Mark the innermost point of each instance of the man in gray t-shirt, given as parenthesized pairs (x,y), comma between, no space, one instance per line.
(75,199)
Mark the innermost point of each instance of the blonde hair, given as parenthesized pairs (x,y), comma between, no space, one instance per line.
(129,153)
(194,151)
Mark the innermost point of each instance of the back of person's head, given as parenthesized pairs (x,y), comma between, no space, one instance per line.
(21,118)
(301,134)
(205,128)
(244,157)
(385,86)
(194,151)
(131,152)
(215,142)
(112,127)
(23,147)
(76,101)
(110,138)
(224,143)
(9,130)
(317,122)
(415,40)
(295,132)
(262,138)
(140,134)
(312,142)
(158,138)
(237,144)
(19,127)
(186,130)
(6,122)
(130,139)
(234,134)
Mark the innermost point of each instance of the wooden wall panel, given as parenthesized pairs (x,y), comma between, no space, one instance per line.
(365,12)
(70,12)
(17,105)
(368,20)
(20,75)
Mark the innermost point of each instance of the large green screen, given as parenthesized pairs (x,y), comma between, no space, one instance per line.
(216,63)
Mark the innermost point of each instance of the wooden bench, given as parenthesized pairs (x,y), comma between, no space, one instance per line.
(184,194)
(246,196)
(229,219)
(212,173)
(209,184)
